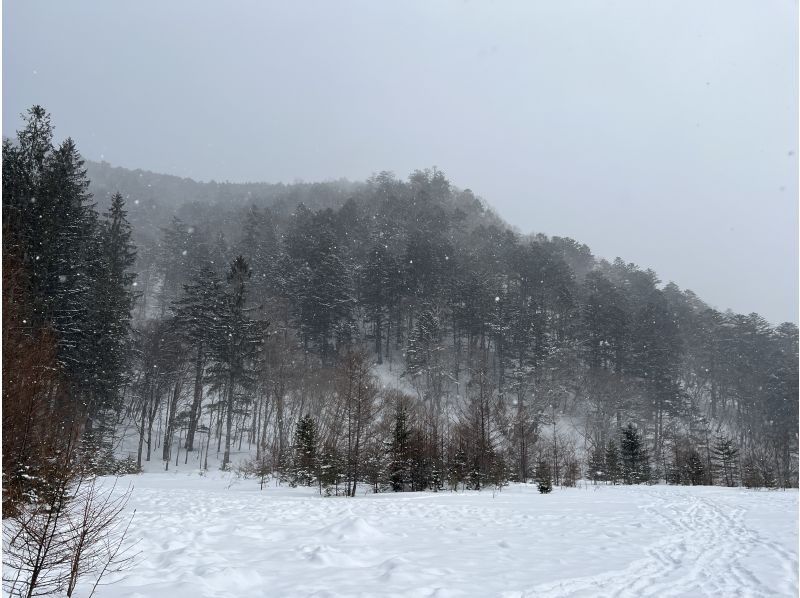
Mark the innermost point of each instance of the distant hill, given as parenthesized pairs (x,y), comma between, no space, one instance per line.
(154,198)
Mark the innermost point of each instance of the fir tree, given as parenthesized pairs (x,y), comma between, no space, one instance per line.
(400,450)
(115,297)
(633,457)
(544,476)
(305,468)
(236,343)
(725,455)
(613,471)
(597,464)
(199,315)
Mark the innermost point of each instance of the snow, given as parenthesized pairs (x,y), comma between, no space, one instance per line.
(218,535)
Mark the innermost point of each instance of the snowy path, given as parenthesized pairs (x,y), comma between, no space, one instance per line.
(211,537)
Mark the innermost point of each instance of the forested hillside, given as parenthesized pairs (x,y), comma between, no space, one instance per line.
(392,332)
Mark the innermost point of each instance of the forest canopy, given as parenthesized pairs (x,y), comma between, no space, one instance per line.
(394,332)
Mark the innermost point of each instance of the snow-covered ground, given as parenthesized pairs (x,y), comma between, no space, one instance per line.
(221,536)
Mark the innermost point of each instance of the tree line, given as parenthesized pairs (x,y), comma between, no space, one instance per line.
(397,335)
(508,351)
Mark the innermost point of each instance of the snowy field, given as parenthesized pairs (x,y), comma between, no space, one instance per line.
(221,536)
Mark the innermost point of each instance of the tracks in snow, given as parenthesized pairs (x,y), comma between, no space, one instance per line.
(701,554)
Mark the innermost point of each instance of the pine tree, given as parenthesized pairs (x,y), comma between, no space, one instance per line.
(54,230)
(544,476)
(236,344)
(656,356)
(597,464)
(751,473)
(199,313)
(378,290)
(633,457)
(612,461)
(305,468)
(260,246)
(457,468)
(688,467)
(768,474)
(176,253)
(318,280)
(400,450)
(332,470)
(724,455)
(114,298)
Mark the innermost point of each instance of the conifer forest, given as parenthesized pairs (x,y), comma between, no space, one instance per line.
(270,317)
(393,334)
(395,384)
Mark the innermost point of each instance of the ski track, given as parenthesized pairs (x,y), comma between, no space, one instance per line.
(217,537)
(701,556)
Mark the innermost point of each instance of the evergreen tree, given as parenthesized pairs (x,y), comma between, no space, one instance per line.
(725,456)
(457,468)
(635,463)
(236,344)
(613,470)
(751,473)
(199,313)
(260,246)
(305,469)
(114,299)
(318,281)
(544,476)
(379,289)
(54,230)
(176,253)
(597,464)
(688,467)
(399,466)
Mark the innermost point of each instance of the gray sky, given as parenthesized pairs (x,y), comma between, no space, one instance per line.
(663,131)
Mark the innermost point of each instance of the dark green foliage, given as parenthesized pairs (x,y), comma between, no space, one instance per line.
(400,465)
(544,476)
(489,329)
(688,467)
(315,275)
(572,471)
(237,341)
(613,471)
(198,315)
(332,471)
(114,298)
(457,469)
(596,467)
(634,460)
(78,268)
(261,249)
(725,459)
(306,465)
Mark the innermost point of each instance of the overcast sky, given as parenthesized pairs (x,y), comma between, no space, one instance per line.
(664,132)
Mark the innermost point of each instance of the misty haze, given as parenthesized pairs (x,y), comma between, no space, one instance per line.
(415,299)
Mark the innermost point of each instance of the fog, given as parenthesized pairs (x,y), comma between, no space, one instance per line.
(662,132)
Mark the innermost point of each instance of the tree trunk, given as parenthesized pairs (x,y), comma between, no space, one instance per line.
(169,430)
(194,415)
(141,434)
(229,423)
(378,332)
